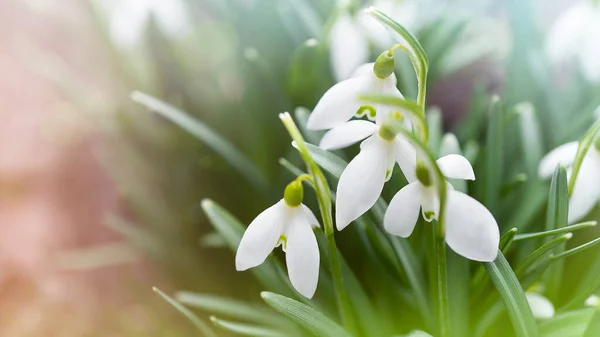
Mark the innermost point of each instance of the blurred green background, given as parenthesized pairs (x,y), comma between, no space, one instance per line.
(234,65)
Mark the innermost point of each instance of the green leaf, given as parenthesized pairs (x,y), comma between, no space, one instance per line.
(593,325)
(569,324)
(228,307)
(577,249)
(582,150)
(327,160)
(493,156)
(246,329)
(582,294)
(418,333)
(531,138)
(513,296)
(209,137)
(203,327)
(310,319)
(540,253)
(557,231)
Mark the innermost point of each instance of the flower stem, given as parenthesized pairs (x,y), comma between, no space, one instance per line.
(324,200)
(443,311)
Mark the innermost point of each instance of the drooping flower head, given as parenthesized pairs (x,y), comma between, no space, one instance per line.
(287,223)
(586,193)
(574,36)
(471,229)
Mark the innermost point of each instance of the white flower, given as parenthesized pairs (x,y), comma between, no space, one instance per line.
(341,102)
(127,19)
(471,229)
(362,180)
(586,193)
(292,228)
(575,36)
(541,307)
(592,301)
(351,35)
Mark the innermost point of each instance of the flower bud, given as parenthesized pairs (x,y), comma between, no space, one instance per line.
(423,175)
(293,194)
(384,65)
(386,132)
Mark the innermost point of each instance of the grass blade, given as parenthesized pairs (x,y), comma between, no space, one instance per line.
(513,296)
(209,137)
(246,329)
(557,231)
(310,319)
(569,324)
(203,327)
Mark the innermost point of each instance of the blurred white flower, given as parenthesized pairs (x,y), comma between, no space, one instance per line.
(574,36)
(541,307)
(127,19)
(592,301)
(291,227)
(586,193)
(471,229)
(362,181)
(352,34)
(341,102)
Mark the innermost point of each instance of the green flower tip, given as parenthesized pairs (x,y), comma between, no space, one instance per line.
(386,132)
(384,65)
(423,175)
(293,194)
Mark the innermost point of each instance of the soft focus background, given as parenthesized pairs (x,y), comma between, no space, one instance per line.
(100,198)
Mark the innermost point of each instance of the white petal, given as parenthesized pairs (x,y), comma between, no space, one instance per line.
(565,35)
(349,47)
(361,182)
(449,145)
(403,212)
(563,155)
(364,70)
(302,257)
(587,187)
(310,216)
(592,301)
(347,134)
(385,87)
(471,230)
(541,307)
(261,237)
(406,156)
(455,166)
(430,203)
(338,104)
(589,50)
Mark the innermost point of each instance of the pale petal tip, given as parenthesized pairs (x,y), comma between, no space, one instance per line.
(284,115)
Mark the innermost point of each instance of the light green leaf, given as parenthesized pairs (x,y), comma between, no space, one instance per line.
(577,249)
(593,325)
(531,138)
(228,307)
(582,150)
(209,137)
(327,160)
(540,253)
(557,231)
(203,327)
(513,296)
(246,329)
(310,319)
(493,155)
(569,324)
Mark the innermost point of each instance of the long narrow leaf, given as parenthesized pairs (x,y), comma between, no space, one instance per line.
(209,137)
(246,329)
(203,327)
(570,324)
(513,296)
(310,319)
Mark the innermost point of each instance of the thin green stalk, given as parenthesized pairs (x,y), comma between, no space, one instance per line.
(442,283)
(324,201)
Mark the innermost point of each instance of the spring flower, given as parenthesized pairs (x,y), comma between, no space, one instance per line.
(341,102)
(575,36)
(592,301)
(362,180)
(471,229)
(352,34)
(586,193)
(287,223)
(541,307)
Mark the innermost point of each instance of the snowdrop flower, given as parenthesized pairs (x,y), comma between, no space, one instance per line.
(341,102)
(586,193)
(362,180)
(592,301)
(352,33)
(287,223)
(471,229)
(127,19)
(541,307)
(575,36)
